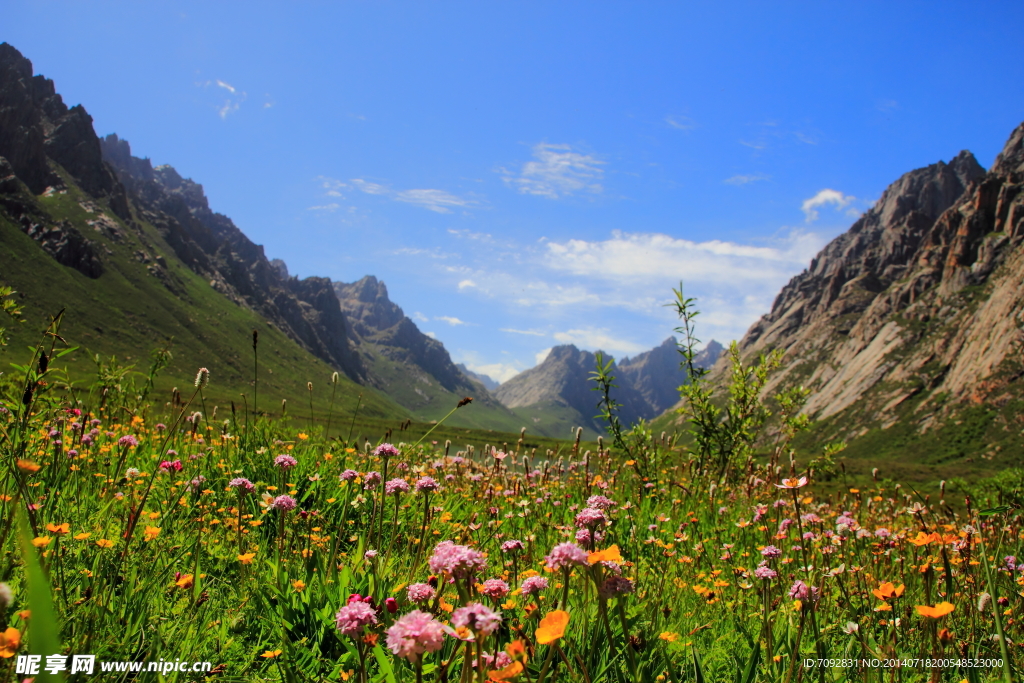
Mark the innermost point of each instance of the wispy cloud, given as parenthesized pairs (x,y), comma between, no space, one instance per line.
(744,179)
(325,207)
(466,284)
(542,355)
(824,197)
(887,106)
(557,171)
(599,338)
(420,317)
(532,333)
(681,122)
(437,201)
(454,322)
(232,102)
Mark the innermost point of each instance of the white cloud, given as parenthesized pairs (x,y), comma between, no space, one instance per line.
(681,122)
(466,284)
(744,179)
(431,335)
(532,333)
(542,355)
(599,339)
(827,196)
(326,207)
(437,201)
(499,372)
(233,101)
(454,322)
(226,86)
(557,171)
(420,317)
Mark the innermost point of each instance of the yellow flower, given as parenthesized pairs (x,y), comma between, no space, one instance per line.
(302,436)
(82,536)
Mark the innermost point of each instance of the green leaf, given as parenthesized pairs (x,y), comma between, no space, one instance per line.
(384,663)
(698,670)
(43,629)
(750,671)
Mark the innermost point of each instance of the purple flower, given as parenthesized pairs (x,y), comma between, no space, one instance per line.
(284,503)
(882,532)
(420,592)
(285,462)
(371,480)
(426,485)
(495,588)
(801,591)
(413,634)
(348,475)
(396,486)
(615,586)
(477,617)
(127,440)
(351,618)
(533,585)
(566,555)
(771,552)
(385,450)
(509,546)
(242,484)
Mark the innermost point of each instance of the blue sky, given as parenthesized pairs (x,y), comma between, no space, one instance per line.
(525,174)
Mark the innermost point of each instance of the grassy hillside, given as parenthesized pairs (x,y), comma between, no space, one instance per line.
(127,313)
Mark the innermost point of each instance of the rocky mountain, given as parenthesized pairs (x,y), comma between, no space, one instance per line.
(485,380)
(657,374)
(404,362)
(92,205)
(560,388)
(913,317)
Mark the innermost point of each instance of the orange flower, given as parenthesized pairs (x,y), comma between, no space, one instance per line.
(610,555)
(59,529)
(924,539)
(510,671)
(299,585)
(552,627)
(270,654)
(9,642)
(516,650)
(186,581)
(151,532)
(41,541)
(940,610)
(246,558)
(884,607)
(669,636)
(887,591)
(104,543)
(28,466)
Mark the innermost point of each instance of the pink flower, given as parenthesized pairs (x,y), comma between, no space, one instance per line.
(396,486)
(588,518)
(128,440)
(792,483)
(351,618)
(615,586)
(765,572)
(458,560)
(285,462)
(495,588)
(385,450)
(415,633)
(171,465)
(478,618)
(427,485)
(420,592)
(371,480)
(242,484)
(348,475)
(509,546)
(600,502)
(284,503)
(566,555)
(533,585)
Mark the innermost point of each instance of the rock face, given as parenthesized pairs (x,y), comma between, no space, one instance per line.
(212,245)
(657,374)
(383,333)
(922,297)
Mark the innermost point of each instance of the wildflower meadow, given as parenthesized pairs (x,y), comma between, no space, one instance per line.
(136,529)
